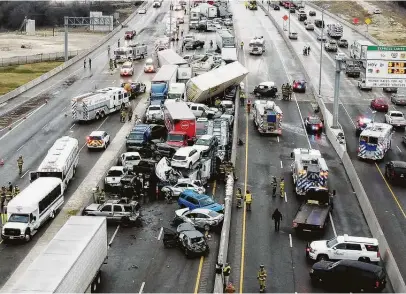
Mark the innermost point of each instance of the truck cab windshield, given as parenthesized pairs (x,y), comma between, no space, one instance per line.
(175,137)
(121,52)
(135,136)
(19,218)
(174,96)
(50,174)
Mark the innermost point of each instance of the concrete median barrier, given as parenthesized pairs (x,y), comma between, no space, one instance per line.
(386,255)
(81,197)
(12,94)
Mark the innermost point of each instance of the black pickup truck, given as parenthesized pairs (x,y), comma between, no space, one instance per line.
(313,214)
(193,45)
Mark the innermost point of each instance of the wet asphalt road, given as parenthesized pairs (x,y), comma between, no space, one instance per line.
(283,253)
(387,200)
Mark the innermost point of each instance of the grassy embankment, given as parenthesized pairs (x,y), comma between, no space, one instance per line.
(14,76)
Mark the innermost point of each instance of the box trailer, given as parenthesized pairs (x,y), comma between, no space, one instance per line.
(215,82)
(229,55)
(170,57)
(72,260)
(224,39)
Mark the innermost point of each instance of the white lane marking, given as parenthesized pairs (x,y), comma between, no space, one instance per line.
(286,197)
(160,233)
(96,130)
(398,148)
(55,93)
(72,127)
(64,109)
(290,81)
(114,235)
(24,174)
(24,145)
(281,164)
(332,224)
(21,120)
(44,126)
(3,104)
(277,138)
(142,288)
(290,241)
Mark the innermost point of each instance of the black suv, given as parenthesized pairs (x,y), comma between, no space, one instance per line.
(349,275)
(193,45)
(395,171)
(319,23)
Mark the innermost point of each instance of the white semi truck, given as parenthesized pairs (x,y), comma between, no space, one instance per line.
(177,91)
(358,50)
(170,57)
(229,55)
(224,39)
(215,82)
(71,262)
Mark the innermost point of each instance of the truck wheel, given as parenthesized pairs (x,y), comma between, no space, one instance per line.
(27,236)
(97,117)
(322,257)
(102,114)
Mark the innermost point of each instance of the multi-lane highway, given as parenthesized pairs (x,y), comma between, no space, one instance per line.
(255,241)
(387,199)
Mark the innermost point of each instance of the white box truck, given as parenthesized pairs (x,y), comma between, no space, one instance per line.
(229,55)
(72,260)
(169,56)
(224,39)
(215,82)
(177,91)
(358,50)
(208,10)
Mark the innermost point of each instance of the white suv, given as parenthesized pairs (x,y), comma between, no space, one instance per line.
(344,247)
(185,157)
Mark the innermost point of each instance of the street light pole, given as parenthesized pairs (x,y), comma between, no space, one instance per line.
(321,48)
(170,27)
(289,21)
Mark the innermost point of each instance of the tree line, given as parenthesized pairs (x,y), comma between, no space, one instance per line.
(51,13)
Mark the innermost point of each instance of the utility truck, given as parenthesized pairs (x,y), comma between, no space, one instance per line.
(60,162)
(267,117)
(98,104)
(123,54)
(358,50)
(215,82)
(72,261)
(257,46)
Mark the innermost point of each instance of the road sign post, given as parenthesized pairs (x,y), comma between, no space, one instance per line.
(368,22)
(285,18)
(386,66)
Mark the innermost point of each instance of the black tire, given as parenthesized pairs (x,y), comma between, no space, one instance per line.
(364,259)
(321,257)
(125,221)
(206,227)
(97,117)
(27,236)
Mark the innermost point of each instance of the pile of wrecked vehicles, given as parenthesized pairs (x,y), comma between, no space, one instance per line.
(171,156)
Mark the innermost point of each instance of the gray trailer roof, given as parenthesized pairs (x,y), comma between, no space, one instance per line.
(48,270)
(218,76)
(172,57)
(179,110)
(166,73)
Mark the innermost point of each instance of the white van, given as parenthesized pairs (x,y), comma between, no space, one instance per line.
(30,209)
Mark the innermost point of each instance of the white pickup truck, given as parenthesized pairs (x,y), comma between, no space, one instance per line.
(395,118)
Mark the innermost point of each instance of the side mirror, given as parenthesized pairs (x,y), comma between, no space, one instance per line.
(334,248)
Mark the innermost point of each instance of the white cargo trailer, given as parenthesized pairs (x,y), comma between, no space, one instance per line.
(224,39)
(229,55)
(169,56)
(72,260)
(215,82)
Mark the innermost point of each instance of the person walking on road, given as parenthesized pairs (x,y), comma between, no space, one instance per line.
(3,194)
(274,186)
(282,187)
(277,217)
(130,113)
(226,274)
(90,63)
(84,63)
(20,162)
(261,276)
(118,43)
(248,200)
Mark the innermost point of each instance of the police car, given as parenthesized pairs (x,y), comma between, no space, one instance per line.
(149,66)
(362,123)
(313,124)
(299,86)
(127,69)
(98,140)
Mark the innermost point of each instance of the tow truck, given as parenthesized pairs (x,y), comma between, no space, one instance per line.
(313,214)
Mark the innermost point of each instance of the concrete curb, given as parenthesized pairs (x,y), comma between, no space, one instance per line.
(228,202)
(386,255)
(81,197)
(346,23)
(44,77)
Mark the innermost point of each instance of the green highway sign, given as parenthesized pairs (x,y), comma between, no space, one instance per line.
(386,48)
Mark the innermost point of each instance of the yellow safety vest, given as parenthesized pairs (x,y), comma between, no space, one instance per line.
(248,198)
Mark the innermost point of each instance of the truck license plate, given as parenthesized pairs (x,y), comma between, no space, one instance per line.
(307,230)
(11,237)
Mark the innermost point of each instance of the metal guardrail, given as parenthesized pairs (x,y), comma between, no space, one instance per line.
(387,258)
(35,58)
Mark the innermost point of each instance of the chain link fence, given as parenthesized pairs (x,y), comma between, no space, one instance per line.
(37,58)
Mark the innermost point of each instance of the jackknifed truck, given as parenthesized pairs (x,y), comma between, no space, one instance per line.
(72,260)
(215,82)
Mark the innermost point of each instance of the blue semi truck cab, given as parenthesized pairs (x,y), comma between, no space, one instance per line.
(166,75)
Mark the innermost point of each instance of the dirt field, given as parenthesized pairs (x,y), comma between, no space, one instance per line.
(12,77)
(388,27)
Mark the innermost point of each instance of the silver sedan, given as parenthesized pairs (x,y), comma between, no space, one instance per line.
(201,218)
(180,187)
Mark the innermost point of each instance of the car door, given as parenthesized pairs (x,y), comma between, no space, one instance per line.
(106,137)
(118,212)
(354,251)
(179,188)
(201,220)
(191,187)
(194,203)
(193,156)
(107,211)
(339,251)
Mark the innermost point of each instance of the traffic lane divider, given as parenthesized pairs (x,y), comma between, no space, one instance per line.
(80,197)
(373,223)
(10,95)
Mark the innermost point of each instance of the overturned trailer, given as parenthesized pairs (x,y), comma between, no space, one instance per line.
(215,82)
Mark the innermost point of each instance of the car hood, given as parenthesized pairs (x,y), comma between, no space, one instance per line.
(215,207)
(131,163)
(181,212)
(201,147)
(165,172)
(13,225)
(92,207)
(318,245)
(322,265)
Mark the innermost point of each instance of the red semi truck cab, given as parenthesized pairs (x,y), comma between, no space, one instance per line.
(179,121)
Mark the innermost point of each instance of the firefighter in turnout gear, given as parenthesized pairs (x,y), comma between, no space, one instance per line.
(274,186)
(3,194)
(238,195)
(226,274)
(282,187)
(248,200)
(249,106)
(16,191)
(122,116)
(262,278)
(20,163)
